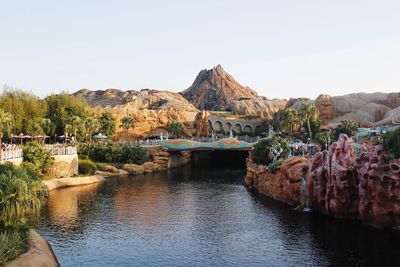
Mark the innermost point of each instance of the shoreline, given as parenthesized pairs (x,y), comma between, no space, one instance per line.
(38,254)
(100,176)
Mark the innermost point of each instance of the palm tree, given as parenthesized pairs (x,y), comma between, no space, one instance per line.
(6,121)
(76,124)
(126,123)
(46,125)
(291,119)
(91,125)
(308,112)
(67,130)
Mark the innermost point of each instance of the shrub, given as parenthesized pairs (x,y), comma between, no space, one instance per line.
(266,149)
(346,127)
(12,244)
(111,153)
(38,156)
(21,195)
(391,143)
(86,167)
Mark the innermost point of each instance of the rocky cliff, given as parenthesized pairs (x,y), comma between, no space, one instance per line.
(373,108)
(217,90)
(152,110)
(337,183)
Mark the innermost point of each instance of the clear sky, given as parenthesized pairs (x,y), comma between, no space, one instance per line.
(279,48)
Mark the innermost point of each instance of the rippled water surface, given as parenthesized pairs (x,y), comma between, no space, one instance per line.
(201,216)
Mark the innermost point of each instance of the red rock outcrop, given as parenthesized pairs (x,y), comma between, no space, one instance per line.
(324,104)
(332,183)
(379,191)
(285,184)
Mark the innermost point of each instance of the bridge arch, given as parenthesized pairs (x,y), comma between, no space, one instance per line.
(227,126)
(237,128)
(217,126)
(257,129)
(248,129)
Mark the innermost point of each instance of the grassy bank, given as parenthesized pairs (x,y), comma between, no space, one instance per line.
(12,244)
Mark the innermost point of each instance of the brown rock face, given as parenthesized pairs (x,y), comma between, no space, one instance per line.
(201,124)
(285,184)
(152,110)
(393,100)
(324,104)
(379,189)
(332,183)
(214,89)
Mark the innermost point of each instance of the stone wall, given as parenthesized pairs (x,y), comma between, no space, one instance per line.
(63,166)
(161,159)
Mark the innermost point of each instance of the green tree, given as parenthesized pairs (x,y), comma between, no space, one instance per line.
(177,128)
(25,108)
(6,122)
(309,113)
(107,123)
(291,119)
(74,125)
(345,127)
(62,107)
(391,143)
(38,156)
(126,124)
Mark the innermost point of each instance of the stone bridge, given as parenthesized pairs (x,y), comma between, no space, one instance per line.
(232,144)
(238,126)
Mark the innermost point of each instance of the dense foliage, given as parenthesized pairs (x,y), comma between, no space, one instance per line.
(86,166)
(111,153)
(268,149)
(346,127)
(40,158)
(21,192)
(391,143)
(306,117)
(107,123)
(62,107)
(177,129)
(21,197)
(25,108)
(324,139)
(12,244)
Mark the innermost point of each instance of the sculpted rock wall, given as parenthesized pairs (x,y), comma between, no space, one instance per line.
(201,124)
(332,183)
(285,184)
(339,183)
(379,188)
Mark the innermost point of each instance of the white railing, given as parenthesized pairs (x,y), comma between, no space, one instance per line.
(60,150)
(10,153)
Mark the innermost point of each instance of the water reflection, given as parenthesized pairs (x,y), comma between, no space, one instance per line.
(199,216)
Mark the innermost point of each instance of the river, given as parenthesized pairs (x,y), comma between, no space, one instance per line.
(201,215)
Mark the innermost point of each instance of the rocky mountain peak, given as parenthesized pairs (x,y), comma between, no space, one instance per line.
(214,89)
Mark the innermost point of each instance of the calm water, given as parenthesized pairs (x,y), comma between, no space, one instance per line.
(201,216)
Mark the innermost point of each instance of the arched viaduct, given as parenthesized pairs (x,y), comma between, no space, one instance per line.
(238,126)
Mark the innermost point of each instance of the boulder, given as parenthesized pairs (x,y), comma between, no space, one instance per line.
(148,167)
(110,168)
(286,184)
(133,168)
